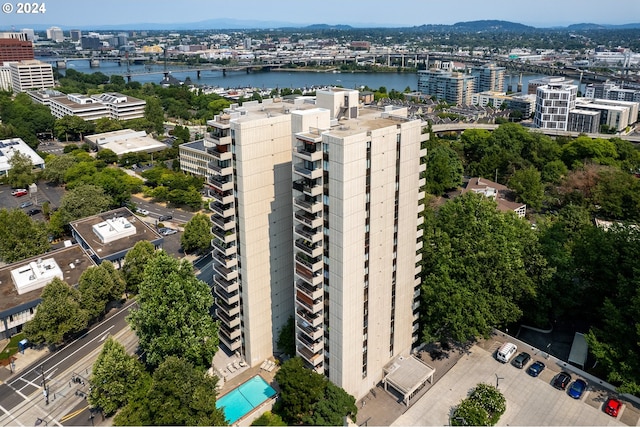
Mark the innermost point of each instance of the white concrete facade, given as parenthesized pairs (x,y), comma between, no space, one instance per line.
(553,103)
(31,74)
(356,207)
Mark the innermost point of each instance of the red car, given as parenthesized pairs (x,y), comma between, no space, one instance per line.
(612,407)
(19,192)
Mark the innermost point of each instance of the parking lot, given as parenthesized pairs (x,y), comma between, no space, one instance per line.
(530,401)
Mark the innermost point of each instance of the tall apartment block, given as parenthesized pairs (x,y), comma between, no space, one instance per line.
(250,184)
(356,203)
(554,101)
(488,77)
(455,88)
(30,74)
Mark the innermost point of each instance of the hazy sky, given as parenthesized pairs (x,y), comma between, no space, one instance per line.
(392,13)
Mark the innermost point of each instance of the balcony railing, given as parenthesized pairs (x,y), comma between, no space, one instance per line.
(314,358)
(313,250)
(314,319)
(311,174)
(311,332)
(309,220)
(227,285)
(310,234)
(313,264)
(311,206)
(313,292)
(308,187)
(220,184)
(230,321)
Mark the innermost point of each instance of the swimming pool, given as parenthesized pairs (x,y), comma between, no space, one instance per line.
(244,398)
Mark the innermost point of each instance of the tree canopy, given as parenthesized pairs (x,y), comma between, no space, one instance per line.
(135,262)
(173,315)
(59,315)
(197,234)
(308,398)
(98,286)
(21,173)
(20,236)
(479,265)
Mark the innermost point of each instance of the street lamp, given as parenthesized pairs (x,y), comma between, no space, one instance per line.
(45,389)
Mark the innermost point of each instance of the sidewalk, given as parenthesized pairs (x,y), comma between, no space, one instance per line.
(21,361)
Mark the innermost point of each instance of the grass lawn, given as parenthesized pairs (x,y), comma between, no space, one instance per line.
(12,347)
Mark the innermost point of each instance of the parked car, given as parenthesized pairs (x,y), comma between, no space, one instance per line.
(506,352)
(535,369)
(577,388)
(167,231)
(612,407)
(142,212)
(19,192)
(26,204)
(34,211)
(561,381)
(165,217)
(521,360)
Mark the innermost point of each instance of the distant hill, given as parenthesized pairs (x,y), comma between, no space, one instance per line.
(328,27)
(591,26)
(491,25)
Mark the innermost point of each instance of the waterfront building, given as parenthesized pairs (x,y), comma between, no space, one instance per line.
(55,34)
(611,91)
(535,83)
(356,203)
(553,103)
(452,87)
(488,77)
(15,49)
(617,115)
(584,121)
(76,35)
(31,74)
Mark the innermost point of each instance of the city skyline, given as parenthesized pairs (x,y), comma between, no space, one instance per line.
(545,13)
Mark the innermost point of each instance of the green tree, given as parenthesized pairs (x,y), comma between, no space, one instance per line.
(134,263)
(444,170)
(479,265)
(269,419)
(106,124)
(287,338)
(21,170)
(56,167)
(108,156)
(583,148)
(527,184)
(181,133)
(309,398)
(173,315)
(180,394)
(617,195)
(80,202)
(484,407)
(20,236)
(154,114)
(116,378)
(72,127)
(98,286)
(197,234)
(59,315)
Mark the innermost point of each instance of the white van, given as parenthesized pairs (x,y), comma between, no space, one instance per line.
(506,352)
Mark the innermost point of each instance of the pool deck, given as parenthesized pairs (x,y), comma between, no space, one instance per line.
(234,380)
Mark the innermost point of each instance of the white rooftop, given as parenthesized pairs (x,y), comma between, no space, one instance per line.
(8,147)
(35,275)
(113,229)
(126,141)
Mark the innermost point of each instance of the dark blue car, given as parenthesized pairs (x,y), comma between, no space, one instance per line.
(577,388)
(535,369)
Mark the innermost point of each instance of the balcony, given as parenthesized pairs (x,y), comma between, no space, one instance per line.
(231,344)
(311,206)
(228,285)
(309,249)
(314,359)
(310,220)
(308,276)
(233,298)
(222,210)
(229,321)
(309,344)
(227,273)
(309,234)
(313,264)
(224,198)
(313,292)
(310,188)
(229,261)
(313,306)
(232,333)
(308,152)
(310,174)
(222,170)
(225,249)
(227,224)
(313,333)
(229,310)
(219,184)
(219,155)
(313,319)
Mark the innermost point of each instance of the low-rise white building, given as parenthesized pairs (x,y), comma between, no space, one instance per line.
(8,148)
(125,141)
(94,107)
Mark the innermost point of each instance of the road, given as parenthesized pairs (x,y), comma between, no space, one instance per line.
(157,210)
(22,401)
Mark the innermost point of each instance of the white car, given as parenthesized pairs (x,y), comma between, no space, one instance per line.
(142,212)
(167,231)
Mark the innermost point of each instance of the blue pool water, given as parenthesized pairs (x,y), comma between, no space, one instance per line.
(244,398)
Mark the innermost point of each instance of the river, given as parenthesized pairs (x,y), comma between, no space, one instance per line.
(273,79)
